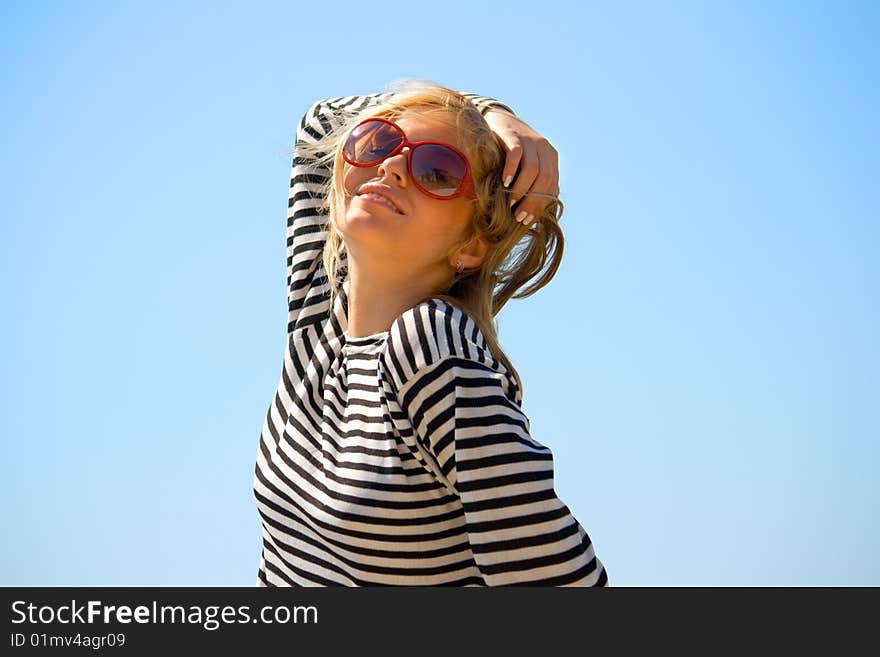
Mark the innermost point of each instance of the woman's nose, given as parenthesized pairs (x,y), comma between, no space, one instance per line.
(395,166)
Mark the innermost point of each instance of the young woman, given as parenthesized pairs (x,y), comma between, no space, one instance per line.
(395,451)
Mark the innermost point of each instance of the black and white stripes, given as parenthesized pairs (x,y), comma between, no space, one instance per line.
(402,458)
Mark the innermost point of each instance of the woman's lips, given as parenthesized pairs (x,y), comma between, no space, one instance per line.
(379,200)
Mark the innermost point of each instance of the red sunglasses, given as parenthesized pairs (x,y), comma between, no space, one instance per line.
(439,170)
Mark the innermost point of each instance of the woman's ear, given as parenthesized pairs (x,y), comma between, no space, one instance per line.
(472,253)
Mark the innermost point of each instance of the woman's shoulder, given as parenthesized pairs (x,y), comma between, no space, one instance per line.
(432,331)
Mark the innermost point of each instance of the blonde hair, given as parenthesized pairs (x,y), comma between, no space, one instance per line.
(520,259)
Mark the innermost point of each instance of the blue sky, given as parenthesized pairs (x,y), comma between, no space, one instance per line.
(704,366)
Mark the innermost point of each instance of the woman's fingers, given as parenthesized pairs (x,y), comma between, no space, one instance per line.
(511,161)
(537,181)
(529,170)
(531,162)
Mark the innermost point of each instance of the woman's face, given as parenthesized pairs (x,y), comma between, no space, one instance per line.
(418,240)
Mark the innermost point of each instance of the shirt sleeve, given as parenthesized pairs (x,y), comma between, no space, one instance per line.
(307,287)
(464,413)
(485,104)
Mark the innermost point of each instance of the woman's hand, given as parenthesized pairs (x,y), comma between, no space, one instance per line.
(536,158)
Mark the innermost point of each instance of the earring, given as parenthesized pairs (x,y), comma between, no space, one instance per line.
(458,266)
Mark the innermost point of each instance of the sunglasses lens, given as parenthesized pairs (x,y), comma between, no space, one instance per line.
(371,141)
(438,169)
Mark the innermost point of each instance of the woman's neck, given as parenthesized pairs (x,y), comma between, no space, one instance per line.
(374,302)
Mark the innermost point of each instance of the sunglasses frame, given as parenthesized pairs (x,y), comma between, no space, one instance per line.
(466,188)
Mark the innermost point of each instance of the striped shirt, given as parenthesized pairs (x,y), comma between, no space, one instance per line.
(404,457)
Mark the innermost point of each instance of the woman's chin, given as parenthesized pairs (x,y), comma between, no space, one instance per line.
(363,226)
(357,218)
